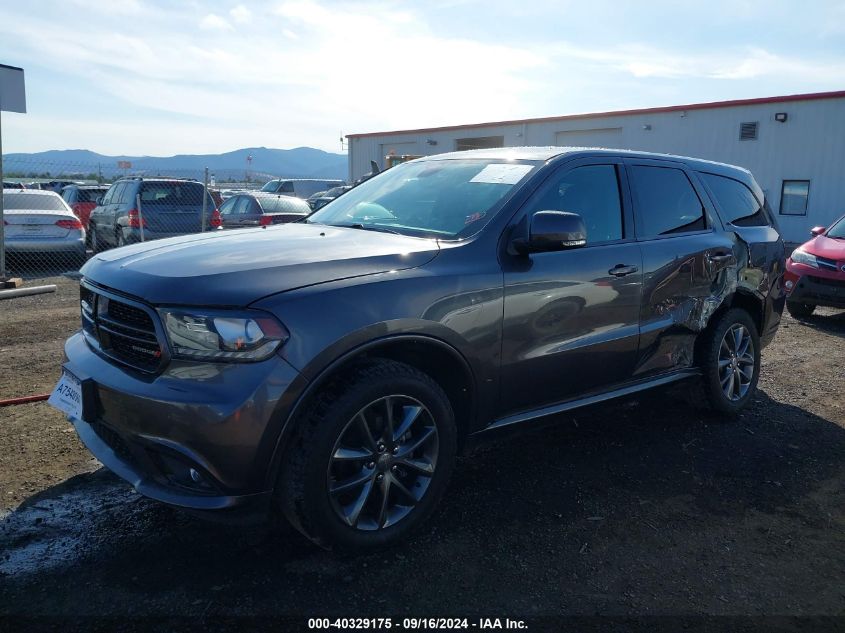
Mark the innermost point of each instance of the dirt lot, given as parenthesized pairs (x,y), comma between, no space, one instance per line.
(630,509)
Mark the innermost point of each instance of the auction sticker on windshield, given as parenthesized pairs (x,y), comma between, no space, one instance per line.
(502,173)
(67,396)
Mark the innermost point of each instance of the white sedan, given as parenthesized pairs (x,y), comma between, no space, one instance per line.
(41,223)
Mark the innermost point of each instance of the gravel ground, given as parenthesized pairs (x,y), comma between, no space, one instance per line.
(635,508)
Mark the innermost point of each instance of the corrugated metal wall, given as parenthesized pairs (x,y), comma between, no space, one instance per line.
(810,145)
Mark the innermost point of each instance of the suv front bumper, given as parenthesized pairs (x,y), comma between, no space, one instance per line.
(198,435)
(817,290)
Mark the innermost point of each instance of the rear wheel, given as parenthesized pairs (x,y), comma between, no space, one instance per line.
(800,310)
(93,240)
(370,458)
(729,358)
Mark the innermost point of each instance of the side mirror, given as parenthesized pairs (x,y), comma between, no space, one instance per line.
(552,231)
(818,230)
(99,201)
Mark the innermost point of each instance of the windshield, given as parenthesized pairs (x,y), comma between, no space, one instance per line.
(270,186)
(449,199)
(837,231)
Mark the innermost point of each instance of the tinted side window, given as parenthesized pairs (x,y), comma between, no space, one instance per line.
(252,207)
(736,202)
(666,202)
(228,207)
(285,187)
(128,194)
(591,191)
(115,193)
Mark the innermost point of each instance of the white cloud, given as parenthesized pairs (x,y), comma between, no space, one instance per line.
(309,69)
(213,22)
(241,14)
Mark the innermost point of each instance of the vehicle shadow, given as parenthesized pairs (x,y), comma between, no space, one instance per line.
(830,322)
(633,507)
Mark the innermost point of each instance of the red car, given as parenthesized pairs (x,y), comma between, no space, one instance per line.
(815,272)
(82,199)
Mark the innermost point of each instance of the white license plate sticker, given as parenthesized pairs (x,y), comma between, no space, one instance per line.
(67,396)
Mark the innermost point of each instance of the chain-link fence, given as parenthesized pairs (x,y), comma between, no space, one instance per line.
(57,215)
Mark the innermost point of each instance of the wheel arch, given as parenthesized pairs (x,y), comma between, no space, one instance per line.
(433,356)
(741,298)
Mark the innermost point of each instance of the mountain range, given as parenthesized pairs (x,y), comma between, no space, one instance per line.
(265,163)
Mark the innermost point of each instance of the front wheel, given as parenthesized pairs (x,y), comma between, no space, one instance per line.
(371,457)
(730,363)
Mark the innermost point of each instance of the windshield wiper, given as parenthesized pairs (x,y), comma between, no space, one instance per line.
(368,227)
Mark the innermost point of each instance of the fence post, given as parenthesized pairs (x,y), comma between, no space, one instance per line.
(2,226)
(140,215)
(204,199)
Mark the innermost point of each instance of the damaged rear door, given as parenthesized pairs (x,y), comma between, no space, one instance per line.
(689,263)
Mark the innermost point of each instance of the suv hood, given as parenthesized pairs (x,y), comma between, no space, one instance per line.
(235,268)
(824,246)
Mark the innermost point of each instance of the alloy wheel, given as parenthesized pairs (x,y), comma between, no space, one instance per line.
(736,362)
(383,463)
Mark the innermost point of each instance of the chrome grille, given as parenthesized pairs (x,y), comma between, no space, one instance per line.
(827,264)
(121,330)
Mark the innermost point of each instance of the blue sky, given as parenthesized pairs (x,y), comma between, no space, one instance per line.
(163,77)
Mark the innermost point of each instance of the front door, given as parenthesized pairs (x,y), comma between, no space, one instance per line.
(571,318)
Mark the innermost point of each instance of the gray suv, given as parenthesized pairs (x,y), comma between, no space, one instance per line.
(141,209)
(332,369)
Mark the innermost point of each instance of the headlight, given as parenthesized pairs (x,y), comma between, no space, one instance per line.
(222,335)
(803,257)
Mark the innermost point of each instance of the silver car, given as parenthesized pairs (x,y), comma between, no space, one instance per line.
(41,223)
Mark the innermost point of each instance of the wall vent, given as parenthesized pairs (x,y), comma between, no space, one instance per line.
(748,131)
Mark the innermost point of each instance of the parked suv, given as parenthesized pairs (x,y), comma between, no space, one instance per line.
(168,207)
(815,272)
(299,187)
(332,369)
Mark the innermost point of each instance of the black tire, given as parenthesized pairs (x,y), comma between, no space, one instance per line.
(306,475)
(93,240)
(709,392)
(800,310)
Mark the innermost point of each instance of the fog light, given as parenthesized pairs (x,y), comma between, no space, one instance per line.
(789,285)
(195,476)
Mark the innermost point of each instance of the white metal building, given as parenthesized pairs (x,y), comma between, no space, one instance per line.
(794,145)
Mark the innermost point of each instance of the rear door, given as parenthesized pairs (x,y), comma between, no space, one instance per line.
(687,262)
(251,215)
(229,212)
(106,214)
(571,322)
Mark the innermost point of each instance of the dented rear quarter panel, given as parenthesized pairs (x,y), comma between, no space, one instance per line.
(685,284)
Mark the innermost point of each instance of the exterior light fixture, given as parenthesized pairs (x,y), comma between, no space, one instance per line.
(781,117)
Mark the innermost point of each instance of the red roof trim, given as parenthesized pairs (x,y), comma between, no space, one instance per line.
(813,96)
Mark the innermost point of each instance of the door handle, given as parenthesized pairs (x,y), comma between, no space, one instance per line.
(721,257)
(620,270)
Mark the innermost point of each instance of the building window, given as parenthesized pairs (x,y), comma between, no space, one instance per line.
(479,142)
(794,195)
(748,131)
